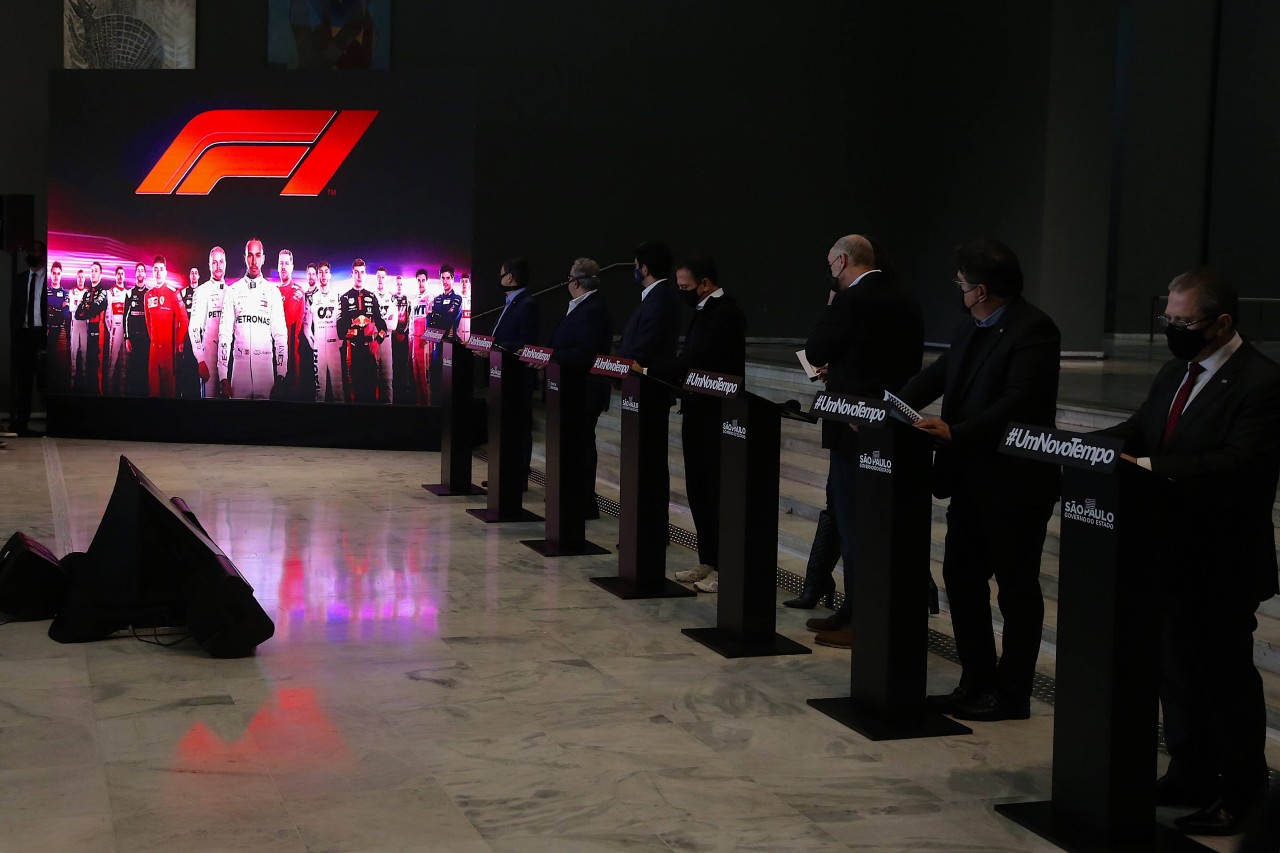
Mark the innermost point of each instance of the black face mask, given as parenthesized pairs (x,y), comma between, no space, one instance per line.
(1185,343)
(834,278)
(691,297)
(964,309)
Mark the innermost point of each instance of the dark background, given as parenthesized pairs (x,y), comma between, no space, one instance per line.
(1112,143)
(415,214)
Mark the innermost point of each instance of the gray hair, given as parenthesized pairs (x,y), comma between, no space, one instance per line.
(586,272)
(857,248)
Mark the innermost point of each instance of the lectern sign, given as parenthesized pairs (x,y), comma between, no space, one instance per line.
(1060,447)
(435,336)
(847,408)
(537,356)
(713,384)
(607,365)
(480,343)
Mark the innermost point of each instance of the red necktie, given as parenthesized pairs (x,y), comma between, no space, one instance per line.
(1194,369)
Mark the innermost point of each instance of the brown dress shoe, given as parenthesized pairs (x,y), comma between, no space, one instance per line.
(839,639)
(834,622)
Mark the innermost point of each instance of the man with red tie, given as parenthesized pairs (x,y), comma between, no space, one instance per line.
(1209,431)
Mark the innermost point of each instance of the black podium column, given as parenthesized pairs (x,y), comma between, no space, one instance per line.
(644,487)
(566,510)
(889,596)
(1105,708)
(508,394)
(747,601)
(456,428)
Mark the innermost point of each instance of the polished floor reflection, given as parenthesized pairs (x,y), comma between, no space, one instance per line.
(435,685)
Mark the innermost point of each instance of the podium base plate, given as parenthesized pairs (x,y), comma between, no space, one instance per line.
(446,492)
(1038,817)
(875,727)
(628,590)
(493,516)
(547,548)
(733,647)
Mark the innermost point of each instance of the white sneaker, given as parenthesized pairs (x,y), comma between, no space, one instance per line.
(709,584)
(693,575)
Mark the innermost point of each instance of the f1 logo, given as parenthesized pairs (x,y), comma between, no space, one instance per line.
(305,146)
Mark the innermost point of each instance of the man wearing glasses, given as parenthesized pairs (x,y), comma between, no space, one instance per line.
(1002,366)
(1209,431)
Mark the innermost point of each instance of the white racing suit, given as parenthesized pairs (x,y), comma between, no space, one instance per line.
(79,333)
(113,371)
(252,333)
(206,313)
(322,333)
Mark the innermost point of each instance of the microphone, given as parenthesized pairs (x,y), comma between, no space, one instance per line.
(548,289)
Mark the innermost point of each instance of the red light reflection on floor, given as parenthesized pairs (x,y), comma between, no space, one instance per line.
(290,727)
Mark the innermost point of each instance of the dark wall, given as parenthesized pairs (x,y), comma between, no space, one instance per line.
(759,134)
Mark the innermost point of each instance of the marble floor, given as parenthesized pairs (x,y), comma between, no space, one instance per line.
(435,685)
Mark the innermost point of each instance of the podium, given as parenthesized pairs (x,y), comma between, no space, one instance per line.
(888,667)
(1105,711)
(566,508)
(747,602)
(507,475)
(457,371)
(644,488)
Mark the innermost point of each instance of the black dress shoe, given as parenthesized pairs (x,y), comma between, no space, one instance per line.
(1171,791)
(989,707)
(945,703)
(1226,816)
(811,595)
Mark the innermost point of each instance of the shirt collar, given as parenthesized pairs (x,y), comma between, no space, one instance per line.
(573,303)
(512,295)
(1222,353)
(645,292)
(854,283)
(715,294)
(993,319)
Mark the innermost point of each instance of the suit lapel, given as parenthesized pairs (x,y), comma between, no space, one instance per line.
(971,363)
(1209,395)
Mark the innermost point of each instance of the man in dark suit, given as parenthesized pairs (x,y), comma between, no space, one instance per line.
(27,329)
(1002,366)
(871,339)
(652,336)
(1209,431)
(716,342)
(582,334)
(652,332)
(517,325)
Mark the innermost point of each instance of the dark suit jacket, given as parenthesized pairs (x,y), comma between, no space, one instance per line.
(18,298)
(581,335)
(519,324)
(1216,476)
(871,337)
(987,379)
(716,342)
(652,332)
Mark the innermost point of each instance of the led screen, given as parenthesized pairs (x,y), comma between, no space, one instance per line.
(205,233)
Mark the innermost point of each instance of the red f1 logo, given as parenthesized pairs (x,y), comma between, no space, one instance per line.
(305,146)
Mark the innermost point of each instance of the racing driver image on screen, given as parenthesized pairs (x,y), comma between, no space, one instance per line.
(252,337)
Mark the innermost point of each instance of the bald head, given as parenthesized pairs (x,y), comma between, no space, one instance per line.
(850,257)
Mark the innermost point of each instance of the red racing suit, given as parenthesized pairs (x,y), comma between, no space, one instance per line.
(167,331)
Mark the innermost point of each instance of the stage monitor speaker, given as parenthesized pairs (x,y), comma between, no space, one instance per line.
(33,584)
(151,563)
(17,221)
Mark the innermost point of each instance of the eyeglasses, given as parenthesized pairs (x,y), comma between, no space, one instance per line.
(962,285)
(1167,322)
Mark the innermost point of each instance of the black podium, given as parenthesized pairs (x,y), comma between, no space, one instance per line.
(508,392)
(644,487)
(747,603)
(566,508)
(1105,710)
(888,669)
(457,372)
